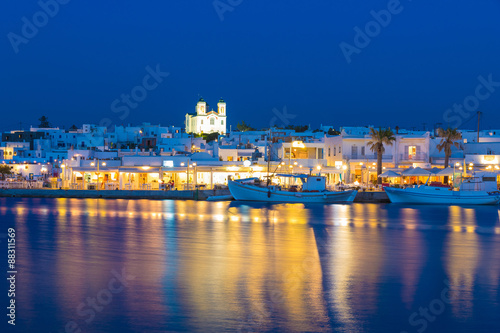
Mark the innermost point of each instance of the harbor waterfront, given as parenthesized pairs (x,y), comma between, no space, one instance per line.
(99,265)
(250,166)
(166,158)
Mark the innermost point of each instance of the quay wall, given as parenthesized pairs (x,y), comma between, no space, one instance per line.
(372,197)
(362,197)
(112,194)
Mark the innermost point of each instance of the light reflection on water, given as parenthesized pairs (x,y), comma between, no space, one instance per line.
(212,266)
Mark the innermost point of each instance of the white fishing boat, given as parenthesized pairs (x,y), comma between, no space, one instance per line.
(479,190)
(312,190)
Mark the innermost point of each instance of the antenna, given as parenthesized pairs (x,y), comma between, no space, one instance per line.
(478,123)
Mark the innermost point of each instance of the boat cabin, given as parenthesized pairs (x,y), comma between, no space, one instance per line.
(481,181)
(310,183)
(313,183)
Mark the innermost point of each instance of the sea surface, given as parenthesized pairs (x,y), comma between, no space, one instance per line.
(96,265)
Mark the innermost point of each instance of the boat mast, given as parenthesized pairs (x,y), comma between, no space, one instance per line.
(268,157)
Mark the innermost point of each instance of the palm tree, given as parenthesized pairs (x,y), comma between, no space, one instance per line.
(449,138)
(379,138)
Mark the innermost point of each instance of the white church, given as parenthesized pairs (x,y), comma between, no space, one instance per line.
(203,121)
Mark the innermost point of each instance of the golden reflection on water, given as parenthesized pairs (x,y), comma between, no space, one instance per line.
(22,262)
(232,267)
(357,261)
(466,256)
(226,260)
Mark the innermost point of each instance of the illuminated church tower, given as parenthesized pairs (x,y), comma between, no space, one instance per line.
(204,121)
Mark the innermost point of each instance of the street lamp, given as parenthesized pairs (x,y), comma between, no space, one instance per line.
(187,174)
(96,163)
(195,176)
(63,173)
(456,165)
(343,175)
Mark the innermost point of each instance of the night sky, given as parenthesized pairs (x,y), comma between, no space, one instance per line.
(259,56)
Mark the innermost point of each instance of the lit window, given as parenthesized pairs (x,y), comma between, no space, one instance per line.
(412,151)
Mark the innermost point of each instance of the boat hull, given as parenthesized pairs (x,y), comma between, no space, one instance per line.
(220,198)
(434,195)
(246,192)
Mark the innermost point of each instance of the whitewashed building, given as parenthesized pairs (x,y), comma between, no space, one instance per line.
(204,121)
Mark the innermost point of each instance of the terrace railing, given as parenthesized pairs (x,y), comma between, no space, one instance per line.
(414,157)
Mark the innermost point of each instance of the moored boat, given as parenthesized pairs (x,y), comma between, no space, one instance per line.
(313,190)
(473,191)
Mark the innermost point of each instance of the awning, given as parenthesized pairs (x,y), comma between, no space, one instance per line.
(411,172)
(446,172)
(390,174)
(140,169)
(435,170)
(290,175)
(94,169)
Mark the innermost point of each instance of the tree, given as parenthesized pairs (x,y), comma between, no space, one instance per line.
(244,127)
(209,137)
(73,128)
(44,122)
(5,170)
(298,128)
(379,138)
(332,131)
(449,138)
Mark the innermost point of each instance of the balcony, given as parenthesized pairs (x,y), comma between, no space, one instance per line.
(307,163)
(418,157)
(367,157)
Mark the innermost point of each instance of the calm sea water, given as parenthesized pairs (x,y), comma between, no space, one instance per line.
(161,266)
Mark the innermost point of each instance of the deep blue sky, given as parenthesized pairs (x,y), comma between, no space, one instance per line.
(263,55)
